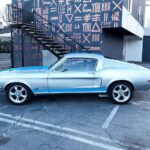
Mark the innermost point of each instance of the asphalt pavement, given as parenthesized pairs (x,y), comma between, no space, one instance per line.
(75,122)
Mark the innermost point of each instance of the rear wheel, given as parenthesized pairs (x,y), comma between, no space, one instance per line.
(18,94)
(120,92)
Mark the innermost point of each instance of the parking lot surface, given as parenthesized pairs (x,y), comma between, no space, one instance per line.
(75,122)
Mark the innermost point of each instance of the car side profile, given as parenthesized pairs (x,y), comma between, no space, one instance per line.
(76,73)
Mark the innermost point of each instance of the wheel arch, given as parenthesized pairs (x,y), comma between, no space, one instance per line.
(11,83)
(117,81)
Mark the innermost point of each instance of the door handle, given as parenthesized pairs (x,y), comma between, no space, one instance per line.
(92,73)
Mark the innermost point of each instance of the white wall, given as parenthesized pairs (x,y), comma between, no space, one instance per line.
(132,49)
(131,24)
(48,58)
(147,16)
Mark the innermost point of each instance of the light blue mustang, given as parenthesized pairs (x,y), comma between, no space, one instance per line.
(76,73)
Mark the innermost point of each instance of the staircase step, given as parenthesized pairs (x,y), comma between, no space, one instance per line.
(61,49)
(35,33)
(28,26)
(40,35)
(27,29)
(62,53)
(48,39)
(50,43)
(44,39)
(31,32)
(54,46)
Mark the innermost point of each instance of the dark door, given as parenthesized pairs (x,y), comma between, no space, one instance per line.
(146,49)
(28,16)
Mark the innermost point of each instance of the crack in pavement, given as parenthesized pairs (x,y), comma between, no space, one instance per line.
(50,147)
(4,138)
(125,145)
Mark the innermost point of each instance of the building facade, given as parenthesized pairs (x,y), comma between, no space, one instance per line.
(113,28)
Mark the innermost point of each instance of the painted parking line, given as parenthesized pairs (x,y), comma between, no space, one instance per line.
(61,134)
(66,129)
(110,117)
(3,107)
(140,103)
(8,118)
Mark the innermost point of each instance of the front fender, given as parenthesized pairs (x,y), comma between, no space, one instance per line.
(17,81)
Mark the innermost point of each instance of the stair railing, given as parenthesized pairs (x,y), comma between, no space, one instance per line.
(16,15)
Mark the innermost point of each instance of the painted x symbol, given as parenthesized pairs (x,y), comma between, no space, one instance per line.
(61,27)
(53,2)
(86,38)
(77,8)
(117,5)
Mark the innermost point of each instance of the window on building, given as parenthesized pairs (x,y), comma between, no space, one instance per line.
(139,13)
(130,2)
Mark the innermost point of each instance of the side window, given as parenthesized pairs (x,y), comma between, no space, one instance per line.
(80,64)
(60,67)
(90,64)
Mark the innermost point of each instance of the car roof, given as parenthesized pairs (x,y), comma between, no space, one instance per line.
(84,55)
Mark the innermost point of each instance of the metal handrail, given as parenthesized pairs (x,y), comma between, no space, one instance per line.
(58,29)
(54,33)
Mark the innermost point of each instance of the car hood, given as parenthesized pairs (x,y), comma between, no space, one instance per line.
(26,69)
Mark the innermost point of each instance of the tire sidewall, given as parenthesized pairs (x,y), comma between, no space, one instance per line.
(29,93)
(110,92)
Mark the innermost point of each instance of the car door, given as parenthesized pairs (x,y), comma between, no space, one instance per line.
(74,75)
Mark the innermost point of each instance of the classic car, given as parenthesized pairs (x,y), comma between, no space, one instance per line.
(76,73)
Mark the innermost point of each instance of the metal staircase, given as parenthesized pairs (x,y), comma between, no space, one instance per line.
(46,33)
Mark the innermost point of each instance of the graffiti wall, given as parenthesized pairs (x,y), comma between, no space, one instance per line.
(82,19)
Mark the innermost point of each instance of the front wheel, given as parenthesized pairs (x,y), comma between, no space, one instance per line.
(121,92)
(18,94)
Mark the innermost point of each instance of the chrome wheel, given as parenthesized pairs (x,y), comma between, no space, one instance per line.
(18,94)
(121,93)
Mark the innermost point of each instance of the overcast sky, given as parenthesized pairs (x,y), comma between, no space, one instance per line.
(4,2)
(2,6)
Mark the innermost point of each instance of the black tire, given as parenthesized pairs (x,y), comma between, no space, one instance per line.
(120,96)
(20,92)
